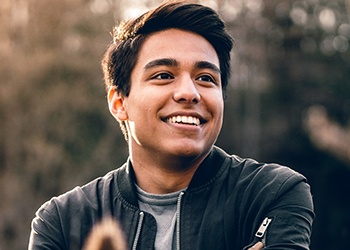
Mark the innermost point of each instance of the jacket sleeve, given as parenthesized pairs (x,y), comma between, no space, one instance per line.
(45,231)
(64,221)
(290,213)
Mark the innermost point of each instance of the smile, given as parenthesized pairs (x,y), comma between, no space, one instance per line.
(184,120)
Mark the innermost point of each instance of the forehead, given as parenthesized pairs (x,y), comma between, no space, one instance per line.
(184,46)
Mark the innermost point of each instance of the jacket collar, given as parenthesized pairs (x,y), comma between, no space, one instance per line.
(207,172)
(209,169)
(125,183)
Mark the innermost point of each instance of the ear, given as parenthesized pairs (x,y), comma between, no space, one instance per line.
(116,104)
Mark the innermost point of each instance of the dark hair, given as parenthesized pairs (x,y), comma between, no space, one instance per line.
(128,37)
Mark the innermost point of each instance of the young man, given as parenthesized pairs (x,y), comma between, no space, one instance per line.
(166,74)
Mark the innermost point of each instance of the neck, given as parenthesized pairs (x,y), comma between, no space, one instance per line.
(160,176)
(158,181)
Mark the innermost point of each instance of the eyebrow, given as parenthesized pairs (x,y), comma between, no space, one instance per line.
(174,63)
(161,62)
(207,65)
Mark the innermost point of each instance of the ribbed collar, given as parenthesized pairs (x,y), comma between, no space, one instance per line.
(205,174)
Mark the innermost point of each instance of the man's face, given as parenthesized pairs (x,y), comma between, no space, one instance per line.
(175,104)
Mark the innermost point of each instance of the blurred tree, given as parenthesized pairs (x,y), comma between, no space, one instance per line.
(55,128)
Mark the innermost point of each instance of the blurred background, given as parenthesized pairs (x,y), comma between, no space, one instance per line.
(289,101)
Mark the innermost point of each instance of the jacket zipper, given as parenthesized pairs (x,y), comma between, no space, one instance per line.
(178,208)
(261,233)
(138,231)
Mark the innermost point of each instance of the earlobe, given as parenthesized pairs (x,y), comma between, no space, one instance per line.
(116,104)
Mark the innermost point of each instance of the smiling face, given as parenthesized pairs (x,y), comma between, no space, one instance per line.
(175,104)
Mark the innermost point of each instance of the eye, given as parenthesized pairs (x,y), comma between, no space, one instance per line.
(163,76)
(206,78)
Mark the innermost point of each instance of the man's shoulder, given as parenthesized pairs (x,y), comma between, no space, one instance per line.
(253,167)
(268,177)
(89,195)
(68,218)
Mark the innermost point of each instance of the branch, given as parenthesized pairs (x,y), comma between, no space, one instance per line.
(326,134)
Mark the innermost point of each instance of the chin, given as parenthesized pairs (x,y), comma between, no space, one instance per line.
(191,152)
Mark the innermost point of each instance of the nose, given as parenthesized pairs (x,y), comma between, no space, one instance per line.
(186,91)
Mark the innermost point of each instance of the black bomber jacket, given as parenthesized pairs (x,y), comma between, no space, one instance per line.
(231,203)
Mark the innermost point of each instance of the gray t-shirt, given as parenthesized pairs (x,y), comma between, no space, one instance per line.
(163,209)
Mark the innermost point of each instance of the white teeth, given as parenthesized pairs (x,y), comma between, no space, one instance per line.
(184,119)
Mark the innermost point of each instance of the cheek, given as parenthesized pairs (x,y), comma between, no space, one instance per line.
(140,110)
(217,109)
(216,103)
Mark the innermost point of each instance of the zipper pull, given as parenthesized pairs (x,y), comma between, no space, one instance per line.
(263,227)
